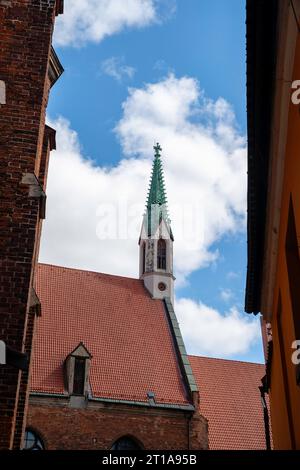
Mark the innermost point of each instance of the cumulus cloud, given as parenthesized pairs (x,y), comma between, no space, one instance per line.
(204,158)
(92,20)
(116,68)
(207,332)
(84,226)
(94,213)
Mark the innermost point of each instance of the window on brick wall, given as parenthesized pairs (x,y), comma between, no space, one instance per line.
(125,443)
(32,440)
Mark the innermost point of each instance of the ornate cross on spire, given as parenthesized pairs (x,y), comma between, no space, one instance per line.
(157,148)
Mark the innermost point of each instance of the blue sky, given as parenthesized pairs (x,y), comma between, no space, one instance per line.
(186,50)
(203,39)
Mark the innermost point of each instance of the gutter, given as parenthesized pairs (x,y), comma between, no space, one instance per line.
(261,68)
(189,431)
(188,407)
(263,391)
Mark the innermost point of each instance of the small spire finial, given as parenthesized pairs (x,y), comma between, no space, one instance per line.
(157,148)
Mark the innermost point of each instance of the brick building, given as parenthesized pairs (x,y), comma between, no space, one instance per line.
(110,368)
(28,69)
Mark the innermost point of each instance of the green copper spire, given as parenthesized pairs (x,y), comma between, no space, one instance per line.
(157,193)
(156,206)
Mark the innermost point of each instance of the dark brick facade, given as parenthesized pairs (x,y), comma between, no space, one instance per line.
(100,424)
(26,28)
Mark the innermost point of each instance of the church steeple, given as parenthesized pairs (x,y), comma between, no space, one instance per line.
(157,192)
(156,205)
(156,240)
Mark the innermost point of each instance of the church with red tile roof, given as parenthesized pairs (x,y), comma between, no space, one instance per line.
(110,369)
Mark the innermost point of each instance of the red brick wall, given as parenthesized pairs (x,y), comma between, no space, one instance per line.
(22,405)
(99,425)
(24,390)
(25,38)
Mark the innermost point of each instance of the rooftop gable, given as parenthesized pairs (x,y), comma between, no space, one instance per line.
(124,329)
(230,401)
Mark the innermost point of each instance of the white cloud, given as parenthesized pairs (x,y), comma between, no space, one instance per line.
(92,20)
(231,275)
(205,166)
(94,213)
(77,193)
(162,66)
(207,332)
(226,294)
(116,68)
(204,159)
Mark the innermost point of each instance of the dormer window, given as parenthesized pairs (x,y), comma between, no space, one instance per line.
(161,254)
(77,366)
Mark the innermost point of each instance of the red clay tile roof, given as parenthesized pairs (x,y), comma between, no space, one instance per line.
(132,350)
(125,331)
(230,400)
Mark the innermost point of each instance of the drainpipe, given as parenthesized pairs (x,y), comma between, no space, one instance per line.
(262,390)
(189,431)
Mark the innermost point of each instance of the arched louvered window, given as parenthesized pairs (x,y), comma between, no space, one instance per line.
(125,443)
(161,254)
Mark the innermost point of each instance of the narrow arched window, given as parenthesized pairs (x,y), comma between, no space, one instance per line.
(161,254)
(32,441)
(144,258)
(125,443)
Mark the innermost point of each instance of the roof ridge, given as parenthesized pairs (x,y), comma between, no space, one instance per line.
(227,360)
(88,271)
